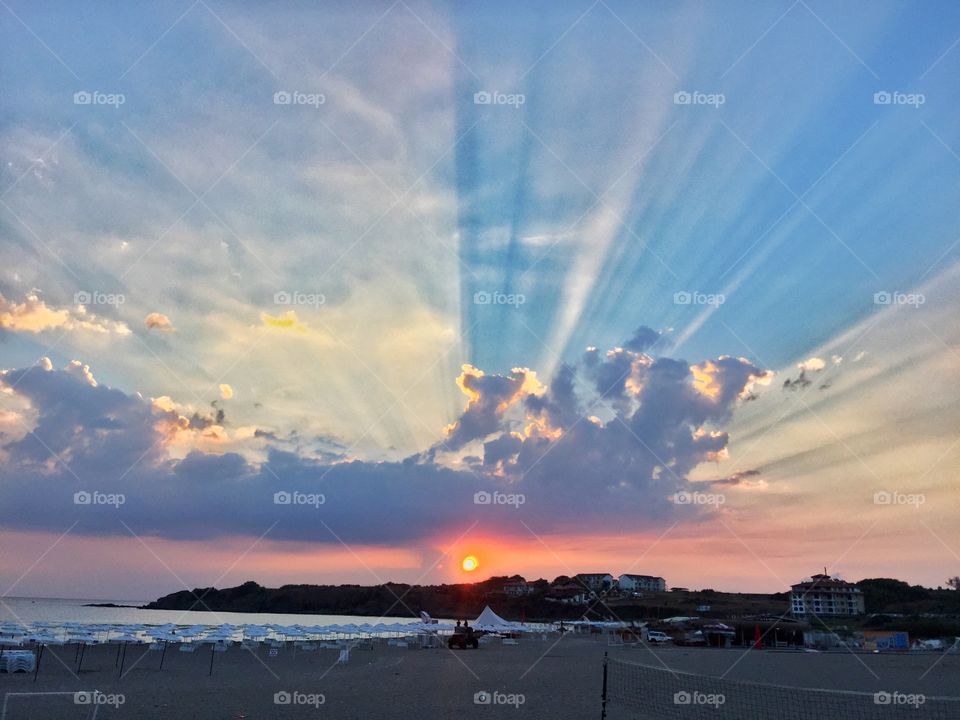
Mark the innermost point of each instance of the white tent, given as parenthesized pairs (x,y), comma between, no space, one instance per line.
(489,620)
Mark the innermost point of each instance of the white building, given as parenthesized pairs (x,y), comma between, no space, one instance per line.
(645,583)
(597,582)
(827,596)
(517,588)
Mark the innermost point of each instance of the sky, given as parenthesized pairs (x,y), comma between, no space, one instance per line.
(344,294)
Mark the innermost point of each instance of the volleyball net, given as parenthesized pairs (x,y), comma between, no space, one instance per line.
(647,691)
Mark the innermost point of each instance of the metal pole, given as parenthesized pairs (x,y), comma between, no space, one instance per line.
(603,696)
(123,659)
(116,660)
(36,670)
(83,649)
(211,659)
(163,654)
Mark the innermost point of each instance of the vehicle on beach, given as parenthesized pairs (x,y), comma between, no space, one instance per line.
(656,637)
(463,637)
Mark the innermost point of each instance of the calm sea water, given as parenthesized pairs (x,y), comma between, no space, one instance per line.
(60,610)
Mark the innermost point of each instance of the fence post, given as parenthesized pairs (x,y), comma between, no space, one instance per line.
(603,697)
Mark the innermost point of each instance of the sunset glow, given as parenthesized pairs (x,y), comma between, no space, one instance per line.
(616,291)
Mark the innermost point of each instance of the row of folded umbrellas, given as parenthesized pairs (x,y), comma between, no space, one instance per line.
(53,633)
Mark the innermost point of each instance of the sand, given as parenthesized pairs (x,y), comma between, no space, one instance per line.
(553,679)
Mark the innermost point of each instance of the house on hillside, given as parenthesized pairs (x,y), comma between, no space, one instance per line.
(568,594)
(645,583)
(595,582)
(517,588)
(822,595)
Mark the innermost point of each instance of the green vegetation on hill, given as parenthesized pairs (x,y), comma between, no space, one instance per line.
(897,600)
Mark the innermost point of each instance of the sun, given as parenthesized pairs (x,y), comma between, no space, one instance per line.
(470,563)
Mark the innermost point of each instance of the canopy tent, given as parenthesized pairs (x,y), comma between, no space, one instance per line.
(489,620)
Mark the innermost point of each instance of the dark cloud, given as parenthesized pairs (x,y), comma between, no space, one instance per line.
(490,395)
(643,339)
(737,478)
(619,471)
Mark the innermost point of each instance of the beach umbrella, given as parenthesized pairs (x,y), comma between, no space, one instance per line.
(757,638)
(121,658)
(165,638)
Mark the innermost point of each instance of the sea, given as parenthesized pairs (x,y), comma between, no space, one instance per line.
(30,610)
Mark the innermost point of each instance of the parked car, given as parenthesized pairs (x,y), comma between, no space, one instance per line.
(656,637)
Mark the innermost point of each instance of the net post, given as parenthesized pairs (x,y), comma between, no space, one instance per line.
(603,696)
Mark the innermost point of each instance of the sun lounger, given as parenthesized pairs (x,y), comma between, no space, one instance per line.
(18,661)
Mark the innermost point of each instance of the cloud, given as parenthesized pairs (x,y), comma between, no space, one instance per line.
(82,372)
(810,365)
(33,315)
(159,321)
(285,321)
(741,479)
(188,476)
(226,392)
(813,364)
(490,398)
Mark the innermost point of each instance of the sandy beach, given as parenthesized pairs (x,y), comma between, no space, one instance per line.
(541,678)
